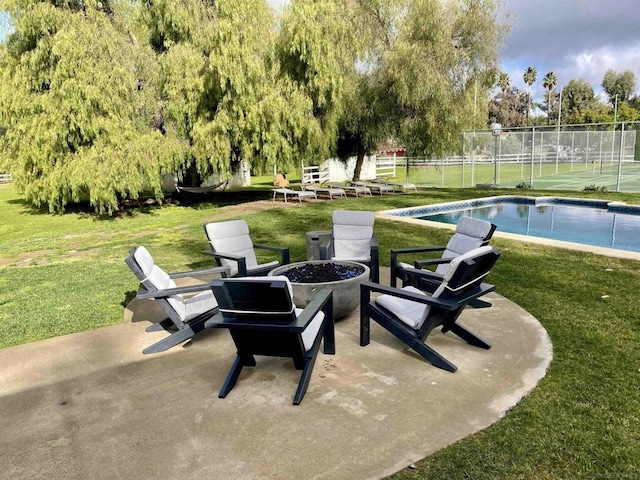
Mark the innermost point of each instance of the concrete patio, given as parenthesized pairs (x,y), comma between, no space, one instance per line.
(90,405)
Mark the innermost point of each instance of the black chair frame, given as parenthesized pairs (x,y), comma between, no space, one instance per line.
(465,287)
(431,278)
(272,334)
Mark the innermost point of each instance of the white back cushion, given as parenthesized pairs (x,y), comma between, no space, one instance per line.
(232,237)
(352,232)
(470,233)
(157,279)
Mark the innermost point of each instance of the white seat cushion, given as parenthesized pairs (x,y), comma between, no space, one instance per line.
(410,312)
(198,304)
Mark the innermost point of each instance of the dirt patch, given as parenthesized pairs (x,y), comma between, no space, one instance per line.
(249,207)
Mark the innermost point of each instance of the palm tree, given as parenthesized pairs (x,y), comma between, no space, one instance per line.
(549,82)
(503,81)
(530,76)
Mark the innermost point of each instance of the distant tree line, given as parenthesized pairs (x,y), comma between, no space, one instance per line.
(576,103)
(100,98)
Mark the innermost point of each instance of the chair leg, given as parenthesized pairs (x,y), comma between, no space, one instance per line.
(159,326)
(433,357)
(365,321)
(477,303)
(171,341)
(305,378)
(234,373)
(468,336)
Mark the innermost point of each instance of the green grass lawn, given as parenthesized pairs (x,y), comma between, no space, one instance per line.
(66,273)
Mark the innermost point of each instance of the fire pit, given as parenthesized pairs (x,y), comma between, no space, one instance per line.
(342,277)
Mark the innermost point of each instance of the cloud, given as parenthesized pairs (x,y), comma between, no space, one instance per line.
(573,38)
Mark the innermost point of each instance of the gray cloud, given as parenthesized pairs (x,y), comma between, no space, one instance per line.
(574,38)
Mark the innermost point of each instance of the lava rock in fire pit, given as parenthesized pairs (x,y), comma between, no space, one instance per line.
(322,272)
(342,277)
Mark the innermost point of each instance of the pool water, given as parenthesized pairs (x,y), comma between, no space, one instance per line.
(586,225)
(589,222)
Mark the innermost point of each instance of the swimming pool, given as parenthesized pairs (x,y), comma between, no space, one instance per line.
(598,223)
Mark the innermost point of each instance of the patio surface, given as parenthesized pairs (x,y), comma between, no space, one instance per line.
(90,405)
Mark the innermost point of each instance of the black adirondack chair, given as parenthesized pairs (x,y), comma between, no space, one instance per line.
(411,315)
(260,315)
(184,314)
(470,233)
(232,246)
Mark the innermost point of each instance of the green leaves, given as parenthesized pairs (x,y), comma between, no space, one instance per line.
(100,99)
(78,98)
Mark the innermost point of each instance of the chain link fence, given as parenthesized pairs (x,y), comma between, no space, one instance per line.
(572,157)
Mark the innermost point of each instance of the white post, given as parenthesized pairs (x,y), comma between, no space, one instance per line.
(613,136)
(533,144)
(558,138)
(620,158)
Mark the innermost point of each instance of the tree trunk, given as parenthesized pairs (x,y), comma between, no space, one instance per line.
(240,173)
(360,151)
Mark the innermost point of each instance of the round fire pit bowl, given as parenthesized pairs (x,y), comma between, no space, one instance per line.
(342,277)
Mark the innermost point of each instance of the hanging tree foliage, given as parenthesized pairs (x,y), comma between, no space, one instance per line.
(78,98)
(224,89)
(418,82)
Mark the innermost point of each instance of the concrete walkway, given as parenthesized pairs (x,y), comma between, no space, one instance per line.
(90,405)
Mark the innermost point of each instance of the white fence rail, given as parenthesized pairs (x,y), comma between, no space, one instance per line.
(6,178)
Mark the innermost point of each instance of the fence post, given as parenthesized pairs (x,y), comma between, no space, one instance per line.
(557,147)
(533,146)
(473,159)
(620,158)
(464,137)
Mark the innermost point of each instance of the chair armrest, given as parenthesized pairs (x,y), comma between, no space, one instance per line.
(434,261)
(367,288)
(168,292)
(427,280)
(242,261)
(322,301)
(326,248)
(197,273)
(284,251)
(400,251)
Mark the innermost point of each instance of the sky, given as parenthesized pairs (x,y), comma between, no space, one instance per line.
(573,38)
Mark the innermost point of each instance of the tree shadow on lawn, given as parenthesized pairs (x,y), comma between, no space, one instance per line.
(149,205)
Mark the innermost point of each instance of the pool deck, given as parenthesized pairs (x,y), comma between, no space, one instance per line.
(91,405)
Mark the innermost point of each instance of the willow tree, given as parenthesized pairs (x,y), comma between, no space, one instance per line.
(78,97)
(427,62)
(223,87)
(317,47)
